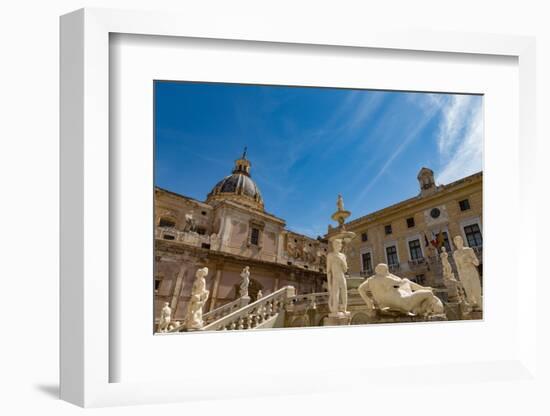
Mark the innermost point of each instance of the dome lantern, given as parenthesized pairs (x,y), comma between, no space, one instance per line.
(238,187)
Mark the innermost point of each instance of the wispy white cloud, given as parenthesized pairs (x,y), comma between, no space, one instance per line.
(430,111)
(463,154)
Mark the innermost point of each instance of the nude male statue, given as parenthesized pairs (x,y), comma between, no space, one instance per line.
(392,292)
(337,268)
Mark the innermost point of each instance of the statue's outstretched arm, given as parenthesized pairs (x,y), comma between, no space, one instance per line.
(416,286)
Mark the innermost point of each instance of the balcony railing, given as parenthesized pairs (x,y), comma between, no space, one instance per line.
(418,264)
(188,237)
(394,267)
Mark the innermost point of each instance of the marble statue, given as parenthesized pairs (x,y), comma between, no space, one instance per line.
(340,203)
(245,281)
(388,291)
(466,262)
(259,295)
(165,317)
(337,268)
(454,288)
(199,296)
(190,223)
(214,241)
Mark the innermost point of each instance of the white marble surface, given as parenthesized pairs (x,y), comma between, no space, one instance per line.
(386,290)
(466,264)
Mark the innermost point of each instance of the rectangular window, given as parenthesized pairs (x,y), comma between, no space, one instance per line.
(415,249)
(446,242)
(473,235)
(157,284)
(391,254)
(367,262)
(167,223)
(420,279)
(410,222)
(364,236)
(464,205)
(255,236)
(388,229)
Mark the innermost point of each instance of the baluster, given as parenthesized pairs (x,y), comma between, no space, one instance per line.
(233,325)
(249,320)
(270,309)
(241,323)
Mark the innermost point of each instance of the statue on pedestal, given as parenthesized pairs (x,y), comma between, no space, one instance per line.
(199,296)
(454,288)
(337,268)
(466,264)
(245,281)
(165,317)
(388,291)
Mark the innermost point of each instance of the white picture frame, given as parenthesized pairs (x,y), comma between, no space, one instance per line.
(85,353)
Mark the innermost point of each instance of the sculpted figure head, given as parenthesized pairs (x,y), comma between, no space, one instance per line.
(459,243)
(382,269)
(444,254)
(202,272)
(337,245)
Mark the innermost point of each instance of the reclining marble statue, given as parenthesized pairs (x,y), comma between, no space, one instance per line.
(466,265)
(199,296)
(337,268)
(387,291)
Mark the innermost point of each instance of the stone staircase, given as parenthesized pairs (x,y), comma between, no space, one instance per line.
(267,312)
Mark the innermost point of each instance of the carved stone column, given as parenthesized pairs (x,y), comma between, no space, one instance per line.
(215,287)
(276,283)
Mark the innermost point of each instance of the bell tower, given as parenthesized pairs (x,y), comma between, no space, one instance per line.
(426,181)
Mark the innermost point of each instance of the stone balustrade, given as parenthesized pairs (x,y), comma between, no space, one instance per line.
(188,237)
(254,314)
(222,311)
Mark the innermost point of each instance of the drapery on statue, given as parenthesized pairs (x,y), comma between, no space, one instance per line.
(199,296)
(454,288)
(390,292)
(337,268)
(165,317)
(245,281)
(466,265)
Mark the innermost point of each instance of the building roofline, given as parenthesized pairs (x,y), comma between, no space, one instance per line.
(416,199)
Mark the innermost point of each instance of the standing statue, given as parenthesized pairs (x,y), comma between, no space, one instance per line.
(214,241)
(388,291)
(466,262)
(165,317)
(199,296)
(190,223)
(340,203)
(337,268)
(454,288)
(245,281)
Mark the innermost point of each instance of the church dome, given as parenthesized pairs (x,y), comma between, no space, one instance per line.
(238,187)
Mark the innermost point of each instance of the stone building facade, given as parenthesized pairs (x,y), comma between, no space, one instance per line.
(231,229)
(408,236)
(228,231)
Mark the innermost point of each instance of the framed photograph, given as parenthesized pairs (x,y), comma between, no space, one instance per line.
(256,213)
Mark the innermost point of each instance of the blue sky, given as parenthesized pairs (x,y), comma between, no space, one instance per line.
(306,145)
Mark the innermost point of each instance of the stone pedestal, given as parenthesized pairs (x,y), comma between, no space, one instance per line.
(245,300)
(342,318)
